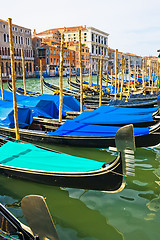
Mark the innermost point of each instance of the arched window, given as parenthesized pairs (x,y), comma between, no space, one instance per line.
(17,52)
(4,37)
(15,67)
(16,39)
(5,51)
(8,51)
(30,66)
(21,40)
(2,51)
(27,66)
(2,67)
(7,37)
(20,52)
(7,69)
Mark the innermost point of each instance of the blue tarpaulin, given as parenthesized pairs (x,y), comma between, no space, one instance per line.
(107,115)
(25,116)
(71,128)
(48,104)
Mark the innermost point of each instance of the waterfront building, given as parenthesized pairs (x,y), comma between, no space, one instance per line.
(111,59)
(151,61)
(95,39)
(85,55)
(22,38)
(49,52)
(134,58)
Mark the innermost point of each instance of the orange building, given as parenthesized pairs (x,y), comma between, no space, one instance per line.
(151,61)
(85,55)
(49,52)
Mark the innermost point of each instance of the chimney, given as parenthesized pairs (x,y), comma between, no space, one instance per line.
(34,33)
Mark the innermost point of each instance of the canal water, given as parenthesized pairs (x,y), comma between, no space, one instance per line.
(78,214)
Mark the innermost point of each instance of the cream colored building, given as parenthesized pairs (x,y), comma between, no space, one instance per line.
(95,39)
(22,38)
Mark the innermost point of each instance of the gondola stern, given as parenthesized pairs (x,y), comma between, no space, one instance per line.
(125,144)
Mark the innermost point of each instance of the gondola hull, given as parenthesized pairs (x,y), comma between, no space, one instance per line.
(103,180)
(151,139)
(29,162)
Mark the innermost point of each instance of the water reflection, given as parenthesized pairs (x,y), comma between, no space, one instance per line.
(72,217)
(131,214)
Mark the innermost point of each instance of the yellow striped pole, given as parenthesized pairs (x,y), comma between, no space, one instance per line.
(81,72)
(61,79)
(100,90)
(23,68)
(1,81)
(13,79)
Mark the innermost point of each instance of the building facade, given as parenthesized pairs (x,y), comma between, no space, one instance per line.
(22,38)
(49,52)
(95,39)
(85,55)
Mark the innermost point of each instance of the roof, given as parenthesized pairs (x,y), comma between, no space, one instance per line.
(65,29)
(1,20)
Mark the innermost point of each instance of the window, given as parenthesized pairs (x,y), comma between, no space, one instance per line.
(92,49)
(21,40)
(21,30)
(4,26)
(92,37)
(5,40)
(16,29)
(7,37)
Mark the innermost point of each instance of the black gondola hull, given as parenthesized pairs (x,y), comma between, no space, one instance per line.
(151,139)
(103,180)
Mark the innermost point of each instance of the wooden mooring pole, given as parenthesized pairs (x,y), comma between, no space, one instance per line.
(81,73)
(115,86)
(41,77)
(1,81)
(13,79)
(61,79)
(97,74)
(23,69)
(100,90)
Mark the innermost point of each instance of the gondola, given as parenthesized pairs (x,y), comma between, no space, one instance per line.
(36,212)
(27,161)
(79,133)
(53,133)
(54,88)
(133,104)
(21,91)
(6,79)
